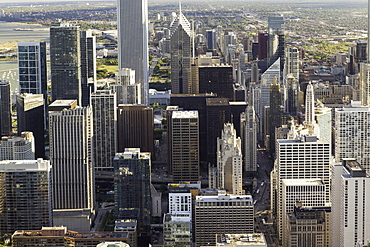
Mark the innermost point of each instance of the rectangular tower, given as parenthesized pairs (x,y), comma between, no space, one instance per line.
(133,41)
(185,146)
(18,147)
(5,106)
(88,65)
(70,133)
(25,195)
(65,63)
(104,111)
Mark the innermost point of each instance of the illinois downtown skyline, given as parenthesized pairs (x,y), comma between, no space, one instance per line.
(191,124)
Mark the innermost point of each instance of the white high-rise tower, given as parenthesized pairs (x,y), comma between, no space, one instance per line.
(310,105)
(133,41)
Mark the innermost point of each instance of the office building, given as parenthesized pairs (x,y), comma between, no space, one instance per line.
(221,214)
(129,226)
(65,63)
(350,204)
(310,106)
(30,117)
(263,39)
(177,230)
(70,136)
(276,39)
(241,240)
(185,146)
(302,157)
(181,55)
(126,89)
(180,203)
(133,41)
(275,115)
(135,125)
(88,65)
(25,195)
(249,140)
(132,171)
(18,147)
(229,161)
(309,227)
(211,39)
(61,236)
(291,66)
(32,69)
(307,192)
(103,103)
(351,124)
(365,84)
(5,114)
(291,92)
(218,80)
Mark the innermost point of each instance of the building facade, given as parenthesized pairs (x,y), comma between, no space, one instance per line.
(18,148)
(5,114)
(25,193)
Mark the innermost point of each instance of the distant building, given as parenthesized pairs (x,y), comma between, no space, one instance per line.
(220,214)
(60,236)
(88,65)
(5,113)
(18,148)
(249,139)
(25,195)
(211,39)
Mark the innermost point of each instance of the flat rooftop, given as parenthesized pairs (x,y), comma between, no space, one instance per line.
(185,114)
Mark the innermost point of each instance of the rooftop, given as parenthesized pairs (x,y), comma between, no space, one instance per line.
(255,239)
(185,114)
(302,182)
(24,165)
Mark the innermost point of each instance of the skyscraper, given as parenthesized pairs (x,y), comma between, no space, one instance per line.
(185,146)
(126,89)
(25,195)
(65,63)
(5,106)
(229,161)
(103,103)
(211,39)
(132,182)
(88,65)
(133,41)
(32,70)
(249,138)
(351,127)
(18,147)
(365,84)
(181,53)
(276,39)
(291,66)
(310,106)
(70,134)
(30,116)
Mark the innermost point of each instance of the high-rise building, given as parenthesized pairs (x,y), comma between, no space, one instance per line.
(103,103)
(249,138)
(88,65)
(132,179)
(65,63)
(177,230)
(30,116)
(303,157)
(263,40)
(181,54)
(350,204)
(217,79)
(229,161)
(276,39)
(307,192)
(365,84)
(25,195)
(135,125)
(211,39)
(70,135)
(316,222)
(18,147)
(133,41)
(275,116)
(291,66)
(32,69)
(351,124)
(222,213)
(310,106)
(127,90)
(185,146)
(291,92)
(5,106)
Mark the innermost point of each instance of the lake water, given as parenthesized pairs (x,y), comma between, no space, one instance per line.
(9,69)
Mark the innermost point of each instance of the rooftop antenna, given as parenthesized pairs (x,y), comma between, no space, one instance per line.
(180,7)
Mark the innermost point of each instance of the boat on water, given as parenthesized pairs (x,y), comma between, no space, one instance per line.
(23,29)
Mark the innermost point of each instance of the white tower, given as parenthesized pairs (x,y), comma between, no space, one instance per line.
(133,41)
(229,161)
(310,105)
